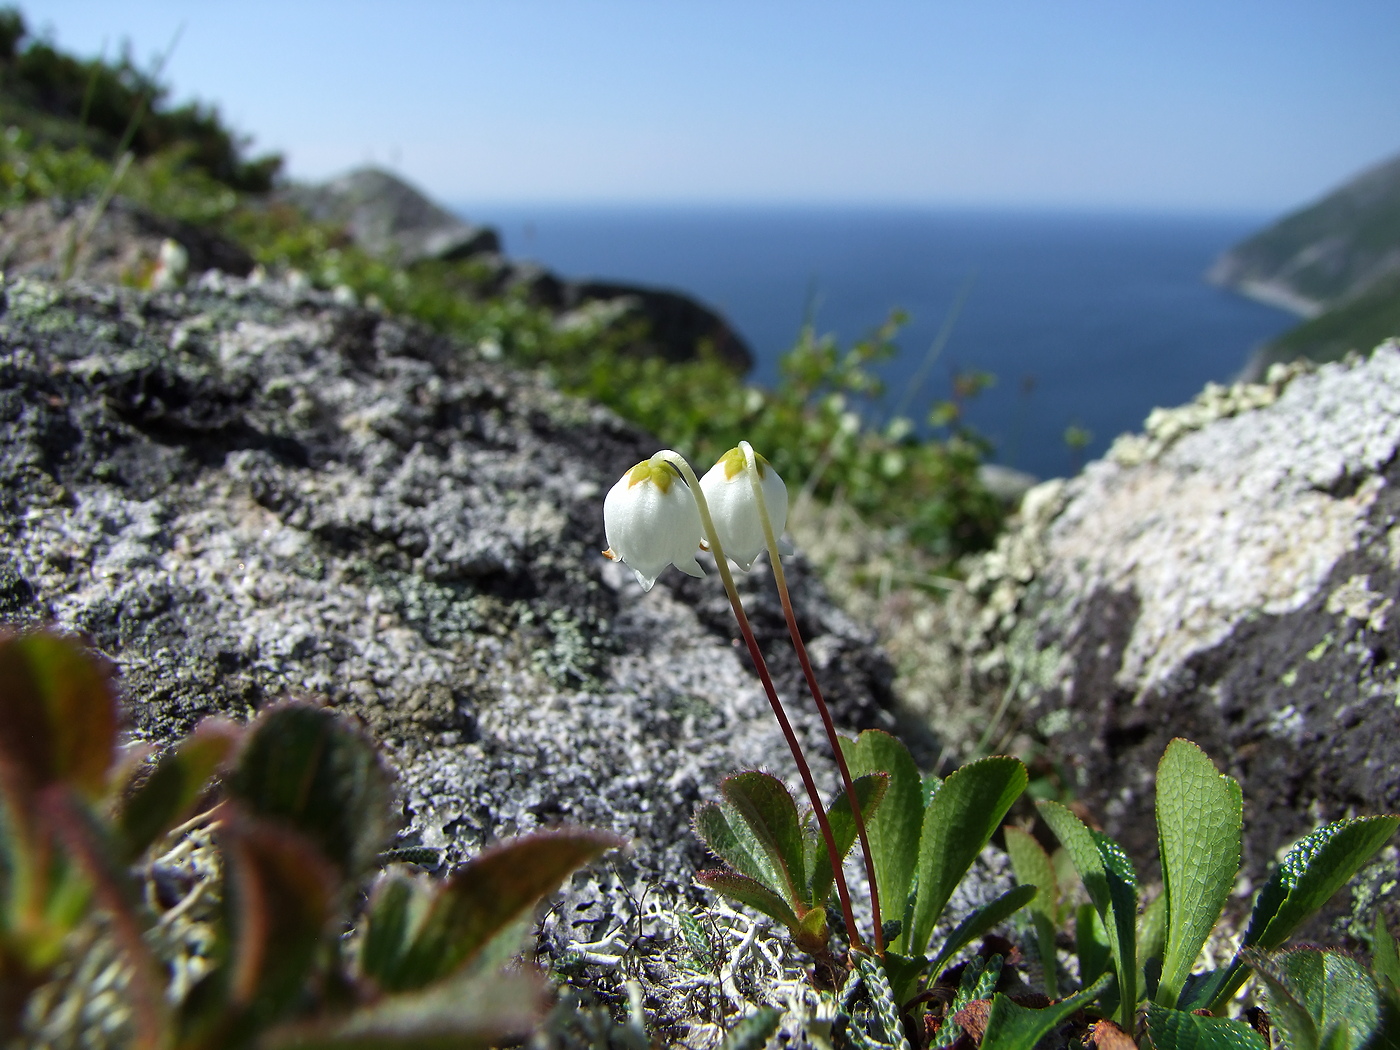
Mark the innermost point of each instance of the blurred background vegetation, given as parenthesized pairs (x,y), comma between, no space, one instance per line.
(78,128)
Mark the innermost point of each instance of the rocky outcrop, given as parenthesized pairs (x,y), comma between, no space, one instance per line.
(1229,576)
(389,218)
(244,491)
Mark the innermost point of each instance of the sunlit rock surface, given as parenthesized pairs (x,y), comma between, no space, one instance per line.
(241,492)
(1229,576)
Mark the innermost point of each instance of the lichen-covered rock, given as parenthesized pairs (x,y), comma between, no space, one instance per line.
(1230,576)
(245,491)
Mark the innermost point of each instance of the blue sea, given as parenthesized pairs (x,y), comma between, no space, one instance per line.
(1086,320)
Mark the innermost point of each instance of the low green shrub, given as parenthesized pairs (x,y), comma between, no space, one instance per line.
(239,889)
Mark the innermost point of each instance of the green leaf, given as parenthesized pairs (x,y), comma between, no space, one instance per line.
(1305,880)
(1152,931)
(58,714)
(1033,866)
(894,830)
(396,907)
(278,893)
(1311,872)
(754,1031)
(458,1014)
(1385,961)
(751,892)
(1200,814)
(958,823)
(165,797)
(760,805)
(1091,943)
(903,971)
(727,840)
(1318,998)
(308,768)
(485,896)
(1178,1030)
(1109,879)
(983,919)
(1013,1027)
(870,791)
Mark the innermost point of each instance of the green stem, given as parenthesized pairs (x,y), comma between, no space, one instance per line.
(678,461)
(780,577)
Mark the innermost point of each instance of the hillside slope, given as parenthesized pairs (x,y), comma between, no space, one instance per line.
(1336,262)
(1326,253)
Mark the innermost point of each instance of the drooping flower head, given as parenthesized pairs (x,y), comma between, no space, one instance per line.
(651,521)
(729,492)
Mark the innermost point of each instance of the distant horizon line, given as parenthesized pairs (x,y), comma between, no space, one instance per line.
(465,206)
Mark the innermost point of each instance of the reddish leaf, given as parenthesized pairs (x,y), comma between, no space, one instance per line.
(58,714)
(486,895)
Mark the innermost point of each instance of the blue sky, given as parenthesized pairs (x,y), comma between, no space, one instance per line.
(1189,105)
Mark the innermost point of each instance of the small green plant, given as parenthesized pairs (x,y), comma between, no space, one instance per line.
(920,837)
(273,947)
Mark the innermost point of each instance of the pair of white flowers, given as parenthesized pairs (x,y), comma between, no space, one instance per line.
(653,519)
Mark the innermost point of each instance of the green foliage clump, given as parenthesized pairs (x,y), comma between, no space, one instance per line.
(223,885)
(1136,967)
(111,106)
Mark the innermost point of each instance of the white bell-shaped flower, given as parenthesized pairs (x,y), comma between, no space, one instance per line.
(730,496)
(651,521)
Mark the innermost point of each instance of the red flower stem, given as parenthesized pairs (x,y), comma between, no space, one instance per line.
(780,577)
(761,666)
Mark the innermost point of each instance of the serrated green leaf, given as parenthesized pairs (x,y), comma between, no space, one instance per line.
(1333,989)
(1171,1029)
(894,830)
(751,892)
(1200,814)
(754,1031)
(1312,871)
(1013,1027)
(728,841)
(991,914)
(958,823)
(308,768)
(1201,989)
(870,791)
(1287,1013)
(165,797)
(459,1014)
(763,813)
(486,895)
(1109,879)
(58,714)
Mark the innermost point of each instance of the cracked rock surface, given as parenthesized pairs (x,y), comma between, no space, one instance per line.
(241,492)
(1230,576)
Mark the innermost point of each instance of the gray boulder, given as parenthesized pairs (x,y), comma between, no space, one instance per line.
(241,492)
(389,218)
(1229,576)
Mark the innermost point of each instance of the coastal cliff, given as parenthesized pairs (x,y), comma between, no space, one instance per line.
(1335,263)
